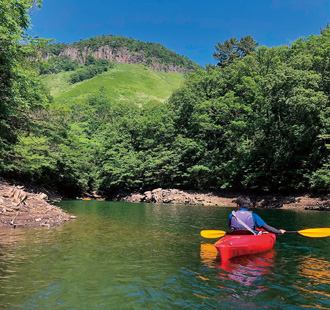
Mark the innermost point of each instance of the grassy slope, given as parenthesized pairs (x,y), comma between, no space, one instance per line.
(135,83)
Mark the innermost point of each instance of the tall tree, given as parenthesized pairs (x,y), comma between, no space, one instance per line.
(20,91)
(233,49)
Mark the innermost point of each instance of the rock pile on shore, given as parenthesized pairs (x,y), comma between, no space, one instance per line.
(175,196)
(19,208)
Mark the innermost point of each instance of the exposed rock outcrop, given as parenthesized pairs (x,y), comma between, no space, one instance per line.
(116,56)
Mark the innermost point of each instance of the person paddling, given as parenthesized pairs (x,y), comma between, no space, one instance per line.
(243,220)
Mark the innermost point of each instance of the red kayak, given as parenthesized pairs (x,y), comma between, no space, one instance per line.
(238,245)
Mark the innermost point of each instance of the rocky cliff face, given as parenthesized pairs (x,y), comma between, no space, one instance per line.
(117,56)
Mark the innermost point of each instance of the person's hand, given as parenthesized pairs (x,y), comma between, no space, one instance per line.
(282,231)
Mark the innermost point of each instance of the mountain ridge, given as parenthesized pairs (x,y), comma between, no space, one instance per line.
(118,49)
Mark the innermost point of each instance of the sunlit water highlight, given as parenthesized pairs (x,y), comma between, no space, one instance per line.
(146,256)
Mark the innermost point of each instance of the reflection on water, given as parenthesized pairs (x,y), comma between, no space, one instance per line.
(10,236)
(209,254)
(315,278)
(315,269)
(242,279)
(245,269)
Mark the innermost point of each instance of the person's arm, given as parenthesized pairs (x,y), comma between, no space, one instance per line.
(230,216)
(260,223)
(273,230)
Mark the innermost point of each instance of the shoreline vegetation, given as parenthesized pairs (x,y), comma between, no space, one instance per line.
(29,207)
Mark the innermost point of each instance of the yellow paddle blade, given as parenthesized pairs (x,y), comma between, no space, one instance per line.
(212,233)
(315,232)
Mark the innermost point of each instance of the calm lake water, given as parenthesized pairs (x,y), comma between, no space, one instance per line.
(147,256)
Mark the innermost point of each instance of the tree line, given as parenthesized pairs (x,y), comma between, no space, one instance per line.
(258,120)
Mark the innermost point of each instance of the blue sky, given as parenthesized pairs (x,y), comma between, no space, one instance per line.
(190,28)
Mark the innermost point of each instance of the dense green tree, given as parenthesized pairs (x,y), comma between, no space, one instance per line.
(91,68)
(20,91)
(233,49)
(260,124)
(57,64)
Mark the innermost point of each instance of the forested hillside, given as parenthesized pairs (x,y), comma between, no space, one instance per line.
(260,117)
(258,120)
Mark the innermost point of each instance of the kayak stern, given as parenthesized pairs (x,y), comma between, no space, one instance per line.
(238,245)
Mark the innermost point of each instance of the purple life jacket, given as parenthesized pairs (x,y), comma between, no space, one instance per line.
(245,216)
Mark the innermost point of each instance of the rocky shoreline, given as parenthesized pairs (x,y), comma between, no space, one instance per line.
(175,196)
(20,208)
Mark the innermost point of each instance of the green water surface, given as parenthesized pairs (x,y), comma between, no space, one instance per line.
(147,256)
